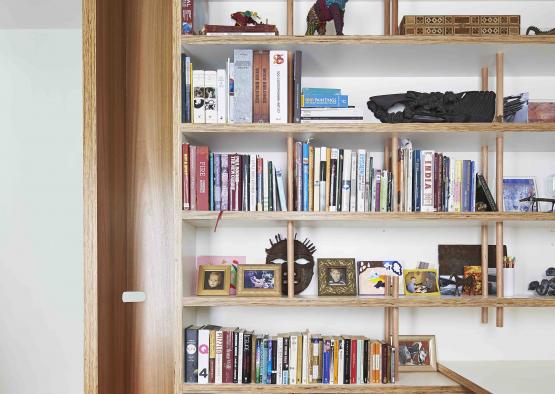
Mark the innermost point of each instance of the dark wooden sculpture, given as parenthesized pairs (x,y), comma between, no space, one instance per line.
(539,32)
(323,11)
(245,18)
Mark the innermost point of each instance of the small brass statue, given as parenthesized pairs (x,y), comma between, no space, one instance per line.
(323,11)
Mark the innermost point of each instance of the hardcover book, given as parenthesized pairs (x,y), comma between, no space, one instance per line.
(203,354)
(198,97)
(221,95)
(243,82)
(202,184)
(210,103)
(320,101)
(191,354)
(297,74)
(278,86)
(427,204)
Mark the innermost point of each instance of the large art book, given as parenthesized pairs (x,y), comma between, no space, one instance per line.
(243,68)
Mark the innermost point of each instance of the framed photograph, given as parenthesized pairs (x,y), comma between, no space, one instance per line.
(515,189)
(371,276)
(213,280)
(421,282)
(259,280)
(336,277)
(417,353)
(232,261)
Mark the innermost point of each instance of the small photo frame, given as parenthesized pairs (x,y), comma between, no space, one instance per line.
(259,280)
(515,189)
(421,282)
(417,353)
(336,277)
(213,280)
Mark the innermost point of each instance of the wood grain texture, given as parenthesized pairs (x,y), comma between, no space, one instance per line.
(484,229)
(464,382)
(359,301)
(499,225)
(290,259)
(290,16)
(425,128)
(485,79)
(395,323)
(395,17)
(395,164)
(386,17)
(362,40)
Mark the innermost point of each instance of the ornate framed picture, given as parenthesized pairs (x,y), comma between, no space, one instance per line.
(213,280)
(421,282)
(337,277)
(417,353)
(259,280)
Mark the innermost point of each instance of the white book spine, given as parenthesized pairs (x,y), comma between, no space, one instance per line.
(323,180)
(240,358)
(281,190)
(222,95)
(210,101)
(293,349)
(383,191)
(203,355)
(317,179)
(279,369)
(346,186)
(265,179)
(410,180)
(252,182)
(361,177)
(427,181)
(360,354)
(354,162)
(275,196)
(367,195)
(198,97)
(341,362)
(451,198)
(278,86)
(219,357)
(305,359)
(231,91)
(334,156)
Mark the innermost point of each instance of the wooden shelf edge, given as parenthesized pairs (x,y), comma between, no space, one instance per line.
(424,128)
(377,301)
(363,40)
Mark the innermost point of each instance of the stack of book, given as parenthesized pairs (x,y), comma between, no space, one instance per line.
(230,182)
(231,355)
(254,87)
(323,105)
(339,180)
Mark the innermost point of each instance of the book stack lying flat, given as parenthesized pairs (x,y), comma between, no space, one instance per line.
(323,105)
(232,355)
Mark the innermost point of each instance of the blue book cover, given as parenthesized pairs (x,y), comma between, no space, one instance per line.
(465,189)
(264,363)
(257,362)
(217,183)
(472,186)
(269,366)
(416,180)
(305,177)
(324,101)
(321,91)
(326,362)
(211,178)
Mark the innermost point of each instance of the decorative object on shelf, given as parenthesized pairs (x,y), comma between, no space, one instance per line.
(323,11)
(304,261)
(515,108)
(484,198)
(246,22)
(516,189)
(258,280)
(541,112)
(472,280)
(371,276)
(546,286)
(232,261)
(213,280)
(508,276)
(336,277)
(436,107)
(460,25)
(534,202)
(187,17)
(417,353)
(538,32)
(421,282)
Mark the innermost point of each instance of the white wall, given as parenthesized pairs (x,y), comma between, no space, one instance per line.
(41,237)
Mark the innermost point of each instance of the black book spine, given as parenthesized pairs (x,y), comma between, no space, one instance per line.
(191,355)
(389,191)
(235,356)
(270,186)
(247,347)
(333,182)
(274,361)
(338,191)
(285,363)
(297,73)
(347,362)
(492,206)
(365,362)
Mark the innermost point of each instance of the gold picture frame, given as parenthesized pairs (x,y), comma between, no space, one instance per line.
(421,282)
(417,353)
(337,277)
(213,280)
(254,280)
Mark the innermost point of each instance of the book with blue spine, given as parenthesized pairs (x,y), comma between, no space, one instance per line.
(258,355)
(217,183)
(416,180)
(305,176)
(269,366)
(324,101)
(465,187)
(264,362)
(321,91)
(185,89)
(326,362)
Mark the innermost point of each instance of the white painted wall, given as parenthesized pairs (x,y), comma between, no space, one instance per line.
(41,210)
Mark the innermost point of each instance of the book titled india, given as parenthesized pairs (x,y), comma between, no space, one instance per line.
(243,82)
(202,187)
(427,204)
(191,354)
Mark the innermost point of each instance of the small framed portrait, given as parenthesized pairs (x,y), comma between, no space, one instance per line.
(336,277)
(213,280)
(259,280)
(417,353)
(421,282)
(516,189)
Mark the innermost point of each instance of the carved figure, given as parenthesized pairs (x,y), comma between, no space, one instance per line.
(539,32)
(323,11)
(246,18)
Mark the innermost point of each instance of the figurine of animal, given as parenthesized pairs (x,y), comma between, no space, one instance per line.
(539,32)
(246,18)
(323,11)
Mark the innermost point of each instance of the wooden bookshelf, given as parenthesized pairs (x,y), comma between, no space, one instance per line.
(358,301)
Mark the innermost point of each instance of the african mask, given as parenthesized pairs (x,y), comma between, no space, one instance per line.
(304,262)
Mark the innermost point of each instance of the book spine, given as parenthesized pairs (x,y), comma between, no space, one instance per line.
(317,162)
(266,187)
(353,365)
(297,74)
(212,358)
(383,191)
(233,167)
(259,183)
(257,87)
(368,182)
(239,357)
(210,100)
(184,100)
(264,362)
(354,181)
(361,179)
(316,377)
(360,358)
(384,363)
(281,190)
(185,177)
(339,183)
(326,362)
(305,370)
(274,361)
(436,182)
(377,208)
(365,361)
(198,97)
(328,178)
(243,83)
(417,177)
(473,186)
(305,177)
(340,362)
(230,91)
(191,355)
(298,176)
(333,179)
(458,185)
(265,87)
(247,360)
(393,355)
(218,373)
(271,187)
(278,86)
(390,181)
(224,161)
(285,361)
(279,361)
(346,181)
(270,366)
(217,182)
(203,355)
(202,188)
(324,101)
(310,178)
(323,179)
(222,95)
(427,204)
(293,359)
(335,360)
(211,181)
(347,362)
(235,335)
(187,26)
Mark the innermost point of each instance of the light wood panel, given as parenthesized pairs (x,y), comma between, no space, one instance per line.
(357,301)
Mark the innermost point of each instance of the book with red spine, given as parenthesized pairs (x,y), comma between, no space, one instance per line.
(265,87)
(354,361)
(186,197)
(227,359)
(202,182)
(256,86)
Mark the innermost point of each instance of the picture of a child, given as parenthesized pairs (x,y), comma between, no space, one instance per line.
(336,277)
(214,280)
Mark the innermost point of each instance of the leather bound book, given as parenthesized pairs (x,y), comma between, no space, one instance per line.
(202,183)
(460,25)
(265,87)
(257,87)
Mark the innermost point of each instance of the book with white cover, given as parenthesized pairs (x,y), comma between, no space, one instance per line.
(316,196)
(230,90)
(252,182)
(306,341)
(346,186)
(265,180)
(354,189)
(323,180)
(361,179)
(203,355)
(240,357)
(341,361)
(222,95)
(210,101)
(198,96)
(219,356)
(278,87)
(293,349)
(281,190)
(427,183)
(279,374)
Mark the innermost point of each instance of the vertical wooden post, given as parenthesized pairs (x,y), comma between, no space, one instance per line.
(386,154)
(395,173)
(290,174)
(499,186)
(387,317)
(395,17)
(290,17)
(485,76)
(290,259)
(499,86)
(485,241)
(386,17)
(395,328)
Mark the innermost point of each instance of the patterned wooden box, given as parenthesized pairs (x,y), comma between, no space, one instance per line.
(460,25)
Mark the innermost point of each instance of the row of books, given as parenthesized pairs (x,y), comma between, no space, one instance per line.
(231,355)
(254,87)
(327,105)
(234,182)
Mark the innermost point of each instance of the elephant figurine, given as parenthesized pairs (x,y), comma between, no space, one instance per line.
(323,11)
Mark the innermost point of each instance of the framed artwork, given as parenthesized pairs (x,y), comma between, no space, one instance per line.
(336,277)
(371,276)
(421,282)
(515,189)
(259,280)
(232,261)
(213,280)
(417,353)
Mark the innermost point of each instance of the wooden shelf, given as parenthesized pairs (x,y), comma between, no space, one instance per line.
(376,301)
